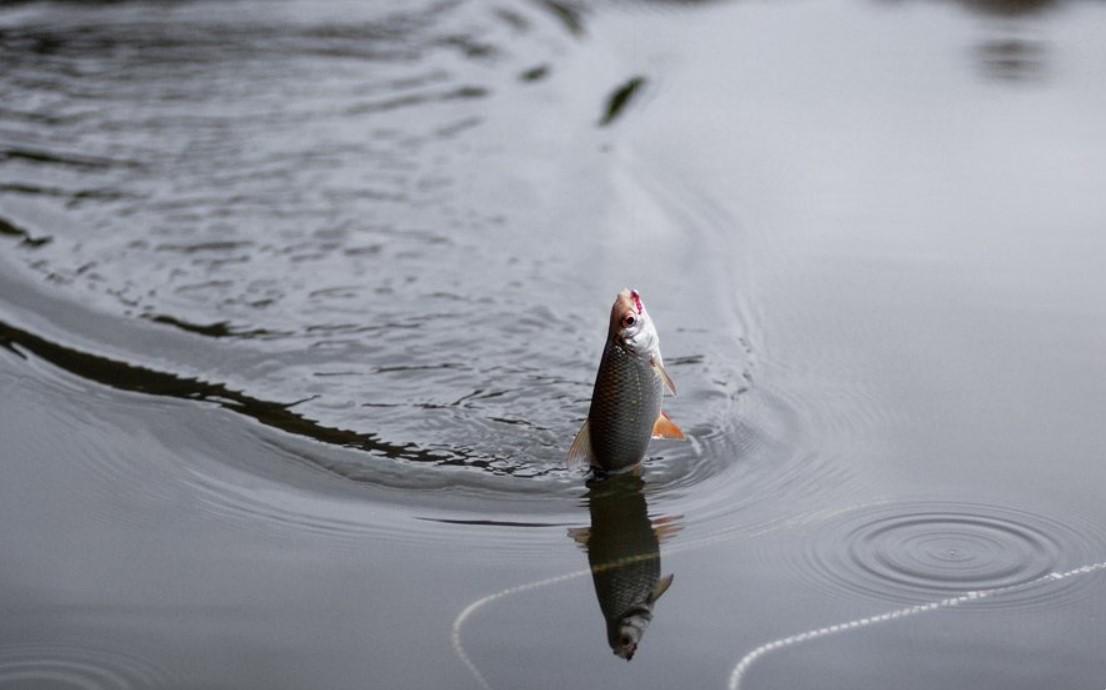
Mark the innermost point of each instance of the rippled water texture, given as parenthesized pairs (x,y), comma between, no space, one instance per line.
(301,304)
(917,553)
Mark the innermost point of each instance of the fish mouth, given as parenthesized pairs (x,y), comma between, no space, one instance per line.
(628,315)
(636,297)
(628,652)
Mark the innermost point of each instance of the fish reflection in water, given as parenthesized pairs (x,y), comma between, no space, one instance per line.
(624,554)
(1013,49)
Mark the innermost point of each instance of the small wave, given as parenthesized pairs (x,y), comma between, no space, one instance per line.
(26,666)
(912,552)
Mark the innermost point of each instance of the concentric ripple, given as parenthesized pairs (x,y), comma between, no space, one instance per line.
(913,552)
(48,666)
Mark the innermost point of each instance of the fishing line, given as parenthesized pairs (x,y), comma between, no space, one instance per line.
(746,661)
(468,611)
(459,621)
(742,666)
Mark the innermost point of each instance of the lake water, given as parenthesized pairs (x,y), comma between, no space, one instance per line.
(301,304)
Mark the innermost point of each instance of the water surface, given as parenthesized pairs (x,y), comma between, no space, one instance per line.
(300,307)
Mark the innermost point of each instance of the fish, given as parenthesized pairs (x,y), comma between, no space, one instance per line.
(626,400)
(624,554)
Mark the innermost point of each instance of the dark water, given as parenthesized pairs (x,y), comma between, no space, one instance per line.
(300,306)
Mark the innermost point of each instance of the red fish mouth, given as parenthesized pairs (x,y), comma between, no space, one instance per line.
(636,296)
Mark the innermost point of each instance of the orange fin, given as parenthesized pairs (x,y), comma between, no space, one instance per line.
(658,364)
(580,449)
(667,527)
(666,428)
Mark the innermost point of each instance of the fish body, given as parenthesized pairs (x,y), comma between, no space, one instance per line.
(624,554)
(625,404)
(626,400)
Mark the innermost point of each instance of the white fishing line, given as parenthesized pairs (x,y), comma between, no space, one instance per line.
(468,611)
(743,666)
(459,621)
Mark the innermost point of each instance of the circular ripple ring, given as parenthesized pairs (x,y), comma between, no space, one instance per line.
(912,552)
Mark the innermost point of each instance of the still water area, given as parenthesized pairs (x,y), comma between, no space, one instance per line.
(301,305)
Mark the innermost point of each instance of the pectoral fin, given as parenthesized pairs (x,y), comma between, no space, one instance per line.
(580,449)
(666,428)
(662,586)
(666,527)
(580,535)
(668,382)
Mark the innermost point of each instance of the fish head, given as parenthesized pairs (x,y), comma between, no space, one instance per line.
(631,327)
(628,633)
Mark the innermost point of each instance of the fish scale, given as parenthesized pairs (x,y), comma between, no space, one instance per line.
(629,387)
(625,403)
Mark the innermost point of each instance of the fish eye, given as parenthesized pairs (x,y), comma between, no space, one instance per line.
(629,320)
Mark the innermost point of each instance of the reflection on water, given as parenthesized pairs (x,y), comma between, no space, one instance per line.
(1007,53)
(310,205)
(1009,8)
(624,554)
(11,230)
(620,98)
(123,376)
(298,305)
(1013,58)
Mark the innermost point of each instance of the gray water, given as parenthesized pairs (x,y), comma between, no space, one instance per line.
(300,306)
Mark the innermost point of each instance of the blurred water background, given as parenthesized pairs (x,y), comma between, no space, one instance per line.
(300,306)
